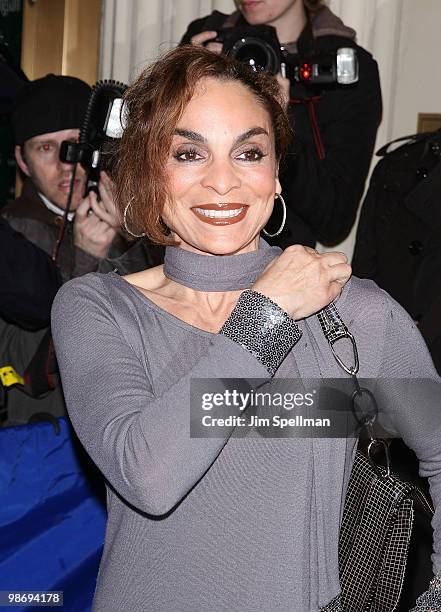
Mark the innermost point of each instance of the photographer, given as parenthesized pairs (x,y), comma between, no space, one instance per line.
(335,126)
(47,112)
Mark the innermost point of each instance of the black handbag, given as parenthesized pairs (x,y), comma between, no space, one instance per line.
(381,515)
(375,536)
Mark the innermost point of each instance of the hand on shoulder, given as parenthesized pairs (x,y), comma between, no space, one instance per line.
(302,281)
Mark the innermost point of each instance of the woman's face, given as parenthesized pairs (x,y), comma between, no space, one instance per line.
(222,170)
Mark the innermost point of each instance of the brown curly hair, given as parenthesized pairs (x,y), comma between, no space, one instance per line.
(155,102)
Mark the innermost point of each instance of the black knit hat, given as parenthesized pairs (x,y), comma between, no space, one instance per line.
(49,104)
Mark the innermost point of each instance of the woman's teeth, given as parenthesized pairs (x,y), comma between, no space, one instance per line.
(219,214)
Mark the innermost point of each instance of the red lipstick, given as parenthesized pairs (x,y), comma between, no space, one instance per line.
(221,214)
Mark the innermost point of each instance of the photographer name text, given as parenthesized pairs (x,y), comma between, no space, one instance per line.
(255,421)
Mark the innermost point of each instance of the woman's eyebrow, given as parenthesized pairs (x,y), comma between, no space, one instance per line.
(196,137)
(255,131)
(190,135)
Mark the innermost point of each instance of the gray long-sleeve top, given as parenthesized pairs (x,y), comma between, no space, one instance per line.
(218,523)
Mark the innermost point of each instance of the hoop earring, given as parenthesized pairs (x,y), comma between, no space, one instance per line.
(125,224)
(279,197)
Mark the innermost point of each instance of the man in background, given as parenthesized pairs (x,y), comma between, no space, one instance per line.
(47,112)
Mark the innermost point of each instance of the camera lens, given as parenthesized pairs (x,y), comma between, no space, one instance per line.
(256,53)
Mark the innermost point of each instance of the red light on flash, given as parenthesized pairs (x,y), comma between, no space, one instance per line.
(305,72)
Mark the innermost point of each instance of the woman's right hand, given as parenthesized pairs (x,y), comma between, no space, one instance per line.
(302,281)
(199,40)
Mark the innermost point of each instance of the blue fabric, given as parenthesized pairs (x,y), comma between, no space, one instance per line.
(52,514)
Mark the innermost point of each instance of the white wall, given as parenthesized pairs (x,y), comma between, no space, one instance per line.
(418,84)
(135,32)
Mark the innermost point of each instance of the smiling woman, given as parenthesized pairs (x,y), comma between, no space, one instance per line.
(222,176)
(216,522)
(250,129)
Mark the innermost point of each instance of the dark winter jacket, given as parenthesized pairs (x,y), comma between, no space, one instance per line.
(29,280)
(29,216)
(399,234)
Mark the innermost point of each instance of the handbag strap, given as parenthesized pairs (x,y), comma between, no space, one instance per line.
(334,329)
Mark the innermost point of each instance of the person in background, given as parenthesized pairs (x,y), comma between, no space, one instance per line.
(46,112)
(29,281)
(398,243)
(324,176)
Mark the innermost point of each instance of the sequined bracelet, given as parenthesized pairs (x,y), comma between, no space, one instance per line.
(261,327)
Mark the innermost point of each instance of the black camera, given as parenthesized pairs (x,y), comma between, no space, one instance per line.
(101,126)
(258,47)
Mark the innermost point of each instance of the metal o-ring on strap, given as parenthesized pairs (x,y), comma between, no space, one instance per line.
(334,329)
